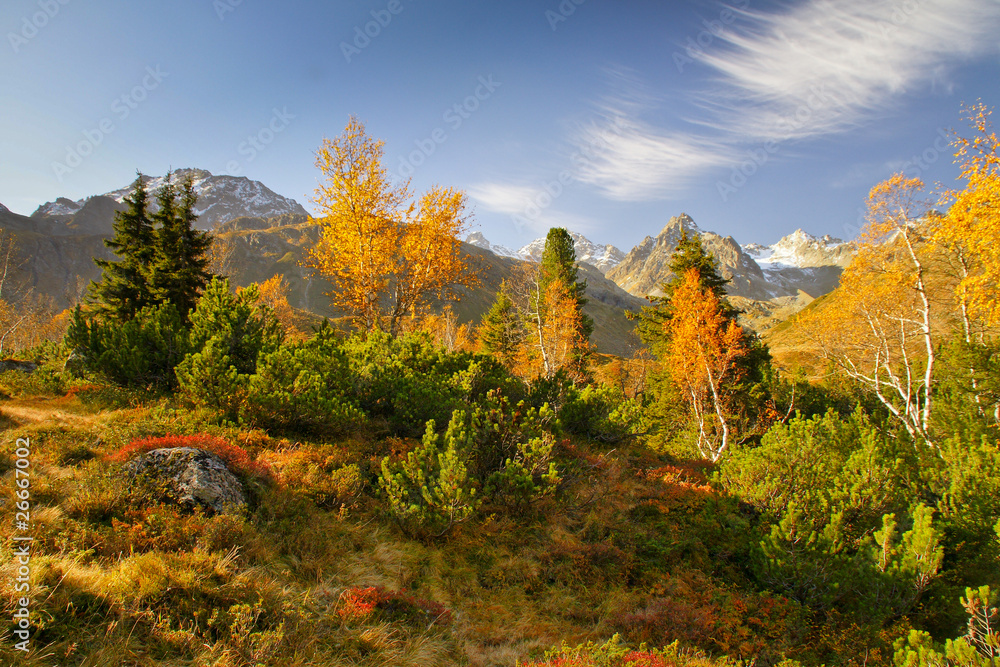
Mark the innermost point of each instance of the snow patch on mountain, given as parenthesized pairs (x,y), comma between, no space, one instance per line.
(220,198)
(477,239)
(60,206)
(801,250)
(602,257)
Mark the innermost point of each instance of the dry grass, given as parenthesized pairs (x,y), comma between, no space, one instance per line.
(120,580)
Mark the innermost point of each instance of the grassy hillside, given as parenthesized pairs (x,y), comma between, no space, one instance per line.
(316,574)
(260,250)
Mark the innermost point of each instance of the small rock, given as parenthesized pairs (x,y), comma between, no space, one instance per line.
(15,365)
(75,364)
(193,477)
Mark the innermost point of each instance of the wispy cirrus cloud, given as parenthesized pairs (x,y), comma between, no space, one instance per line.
(824,67)
(528,207)
(814,69)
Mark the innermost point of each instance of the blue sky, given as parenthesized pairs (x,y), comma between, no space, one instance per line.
(756,118)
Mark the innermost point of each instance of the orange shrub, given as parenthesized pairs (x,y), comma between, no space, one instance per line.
(235,456)
(361,603)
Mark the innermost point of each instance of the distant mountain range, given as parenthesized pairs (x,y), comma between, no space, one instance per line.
(768,282)
(602,257)
(220,198)
(271,234)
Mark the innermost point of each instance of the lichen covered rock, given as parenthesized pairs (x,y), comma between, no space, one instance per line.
(191,477)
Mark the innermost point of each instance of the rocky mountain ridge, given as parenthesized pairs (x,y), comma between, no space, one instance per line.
(220,198)
(768,282)
(602,257)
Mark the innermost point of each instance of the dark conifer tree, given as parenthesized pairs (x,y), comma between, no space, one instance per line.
(123,289)
(502,331)
(559,263)
(179,271)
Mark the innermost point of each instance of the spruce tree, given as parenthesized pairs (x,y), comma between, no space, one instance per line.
(123,289)
(179,271)
(502,331)
(559,263)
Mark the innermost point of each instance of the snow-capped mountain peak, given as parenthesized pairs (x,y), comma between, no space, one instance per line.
(602,257)
(801,250)
(220,198)
(477,239)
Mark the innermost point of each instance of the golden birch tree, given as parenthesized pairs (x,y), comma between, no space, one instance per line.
(884,331)
(702,353)
(972,226)
(386,254)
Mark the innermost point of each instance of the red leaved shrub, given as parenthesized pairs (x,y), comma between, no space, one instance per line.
(361,603)
(237,458)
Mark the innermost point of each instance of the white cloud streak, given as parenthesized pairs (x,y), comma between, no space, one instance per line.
(816,69)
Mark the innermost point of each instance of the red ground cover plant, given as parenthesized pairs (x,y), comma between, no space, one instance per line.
(235,456)
(361,603)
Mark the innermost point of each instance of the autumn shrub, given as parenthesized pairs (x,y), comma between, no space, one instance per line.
(320,472)
(237,458)
(706,614)
(362,604)
(616,653)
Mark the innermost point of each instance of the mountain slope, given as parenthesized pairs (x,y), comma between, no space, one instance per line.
(220,198)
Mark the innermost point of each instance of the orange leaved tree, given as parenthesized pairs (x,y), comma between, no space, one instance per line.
(387,255)
(884,332)
(702,352)
(972,226)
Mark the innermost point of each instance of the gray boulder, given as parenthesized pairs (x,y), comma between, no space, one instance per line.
(192,477)
(15,365)
(75,364)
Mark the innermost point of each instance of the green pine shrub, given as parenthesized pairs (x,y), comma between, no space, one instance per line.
(228,334)
(139,352)
(432,490)
(304,387)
